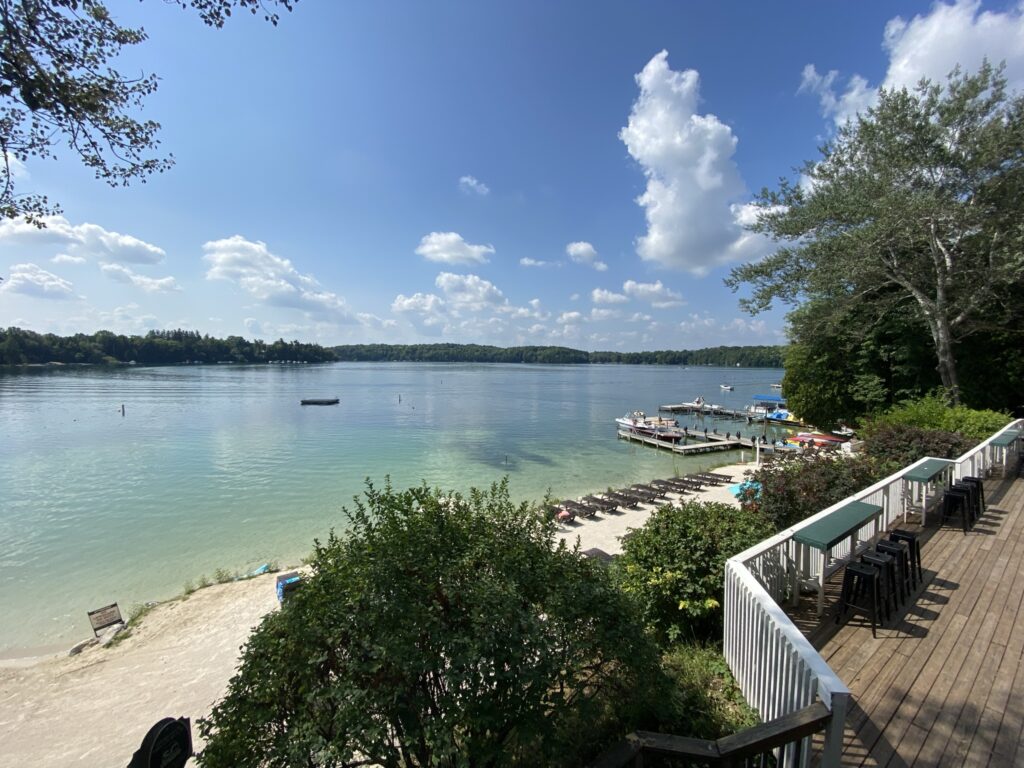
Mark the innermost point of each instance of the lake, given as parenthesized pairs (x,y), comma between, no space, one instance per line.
(220,467)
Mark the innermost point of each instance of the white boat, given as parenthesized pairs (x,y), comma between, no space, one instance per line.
(640,423)
(776,386)
(726,387)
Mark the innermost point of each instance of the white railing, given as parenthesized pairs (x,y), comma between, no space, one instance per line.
(776,667)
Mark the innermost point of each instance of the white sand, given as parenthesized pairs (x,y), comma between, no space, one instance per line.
(606,531)
(93,709)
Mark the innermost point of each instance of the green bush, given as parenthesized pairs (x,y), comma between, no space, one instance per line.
(932,413)
(788,488)
(441,629)
(675,565)
(706,699)
(894,446)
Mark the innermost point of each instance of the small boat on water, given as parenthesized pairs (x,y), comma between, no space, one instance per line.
(776,386)
(727,387)
(320,401)
(640,423)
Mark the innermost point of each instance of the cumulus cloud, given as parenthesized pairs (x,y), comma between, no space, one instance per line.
(604,314)
(928,46)
(82,240)
(15,167)
(148,284)
(450,248)
(583,252)
(66,258)
(601,296)
(692,180)
(639,317)
(33,280)
(272,279)
(656,294)
(473,186)
(469,292)
(526,261)
(570,318)
(418,302)
(372,321)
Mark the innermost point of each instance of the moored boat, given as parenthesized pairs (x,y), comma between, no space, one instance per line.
(727,387)
(640,423)
(320,401)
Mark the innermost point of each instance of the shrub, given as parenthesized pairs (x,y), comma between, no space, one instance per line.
(705,695)
(894,446)
(792,487)
(441,629)
(675,565)
(932,413)
(223,575)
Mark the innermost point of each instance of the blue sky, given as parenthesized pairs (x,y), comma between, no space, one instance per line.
(571,173)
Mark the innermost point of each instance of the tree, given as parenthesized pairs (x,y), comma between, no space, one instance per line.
(915,204)
(57,80)
(442,630)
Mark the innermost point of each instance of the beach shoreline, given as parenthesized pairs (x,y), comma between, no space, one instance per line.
(57,709)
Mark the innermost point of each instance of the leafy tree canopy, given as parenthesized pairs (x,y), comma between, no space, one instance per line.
(915,205)
(58,83)
(440,630)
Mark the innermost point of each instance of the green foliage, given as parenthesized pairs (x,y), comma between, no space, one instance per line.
(912,221)
(788,488)
(705,696)
(894,446)
(20,347)
(440,630)
(57,80)
(932,412)
(750,357)
(223,575)
(203,582)
(674,566)
(188,588)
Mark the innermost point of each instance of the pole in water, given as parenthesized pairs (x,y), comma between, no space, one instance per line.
(399,399)
(506,459)
(122,410)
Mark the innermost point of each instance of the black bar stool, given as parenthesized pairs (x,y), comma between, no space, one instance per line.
(955,500)
(860,579)
(973,498)
(977,483)
(914,541)
(886,565)
(904,573)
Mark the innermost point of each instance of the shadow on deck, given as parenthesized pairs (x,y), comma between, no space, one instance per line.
(943,682)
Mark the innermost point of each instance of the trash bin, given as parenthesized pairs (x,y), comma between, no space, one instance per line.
(287,583)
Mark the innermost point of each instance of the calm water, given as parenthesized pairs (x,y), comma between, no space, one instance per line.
(219,466)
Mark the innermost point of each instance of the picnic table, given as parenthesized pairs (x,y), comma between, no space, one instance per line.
(824,534)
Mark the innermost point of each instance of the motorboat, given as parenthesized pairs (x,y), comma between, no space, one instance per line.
(727,387)
(640,423)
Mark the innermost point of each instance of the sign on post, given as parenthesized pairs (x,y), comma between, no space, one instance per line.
(104,617)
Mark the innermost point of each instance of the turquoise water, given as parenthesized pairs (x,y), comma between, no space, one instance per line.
(220,467)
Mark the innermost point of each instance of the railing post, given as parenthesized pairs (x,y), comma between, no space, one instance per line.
(833,749)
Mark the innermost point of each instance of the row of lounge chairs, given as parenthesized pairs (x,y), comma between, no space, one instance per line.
(655,492)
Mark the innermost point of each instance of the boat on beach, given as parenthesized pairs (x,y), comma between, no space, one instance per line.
(320,401)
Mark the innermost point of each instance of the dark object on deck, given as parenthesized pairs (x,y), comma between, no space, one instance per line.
(915,549)
(168,744)
(860,581)
(320,401)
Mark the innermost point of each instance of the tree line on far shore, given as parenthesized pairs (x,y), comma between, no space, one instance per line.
(176,347)
(21,347)
(746,357)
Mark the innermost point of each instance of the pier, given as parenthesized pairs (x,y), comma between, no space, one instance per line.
(714,443)
(711,410)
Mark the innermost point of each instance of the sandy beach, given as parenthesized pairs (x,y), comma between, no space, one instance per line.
(94,708)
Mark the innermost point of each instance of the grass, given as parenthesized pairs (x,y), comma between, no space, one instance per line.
(708,700)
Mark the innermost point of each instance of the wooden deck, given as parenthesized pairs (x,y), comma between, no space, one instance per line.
(943,683)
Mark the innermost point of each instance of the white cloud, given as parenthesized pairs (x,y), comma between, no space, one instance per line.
(418,302)
(574,297)
(639,317)
(469,292)
(372,321)
(537,329)
(526,261)
(473,186)
(692,179)
(570,318)
(450,248)
(271,279)
(83,240)
(148,284)
(604,314)
(656,294)
(584,253)
(66,258)
(15,167)
(33,280)
(601,296)
(929,46)
(255,328)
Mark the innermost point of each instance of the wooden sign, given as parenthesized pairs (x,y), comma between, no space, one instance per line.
(104,617)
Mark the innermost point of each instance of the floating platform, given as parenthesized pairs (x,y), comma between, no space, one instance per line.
(320,401)
(714,443)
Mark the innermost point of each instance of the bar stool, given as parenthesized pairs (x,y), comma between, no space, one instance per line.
(860,579)
(973,497)
(904,573)
(886,565)
(977,483)
(914,541)
(955,500)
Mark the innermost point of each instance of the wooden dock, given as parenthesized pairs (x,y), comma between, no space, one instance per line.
(709,410)
(714,443)
(943,683)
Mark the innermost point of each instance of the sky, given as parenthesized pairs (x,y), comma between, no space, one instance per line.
(575,173)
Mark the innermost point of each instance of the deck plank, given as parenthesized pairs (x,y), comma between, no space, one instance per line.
(943,683)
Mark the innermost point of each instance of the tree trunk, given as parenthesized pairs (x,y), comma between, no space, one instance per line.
(947,362)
